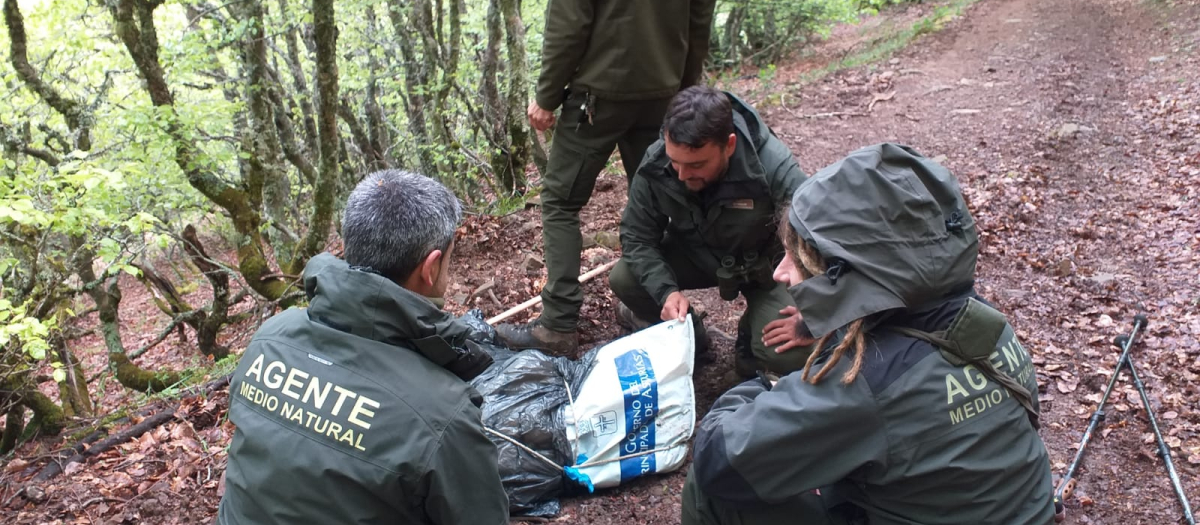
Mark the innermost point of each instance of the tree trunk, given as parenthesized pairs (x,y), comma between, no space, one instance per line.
(518,86)
(73,390)
(376,125)
(48,418)
(416,77)
(208,326)
(506,127)
(324,193)
(300,84)
(14,426)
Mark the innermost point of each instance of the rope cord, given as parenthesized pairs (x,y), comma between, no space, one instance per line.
(588,463)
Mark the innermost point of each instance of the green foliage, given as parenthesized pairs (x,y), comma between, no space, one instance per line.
(763,32)
(20,331)
(874,6)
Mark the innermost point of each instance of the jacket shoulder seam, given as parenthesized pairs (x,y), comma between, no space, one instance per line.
(441,435)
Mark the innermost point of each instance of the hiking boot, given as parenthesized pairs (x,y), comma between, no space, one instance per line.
(745,366)
(702,342)
(534,335)
(630,321)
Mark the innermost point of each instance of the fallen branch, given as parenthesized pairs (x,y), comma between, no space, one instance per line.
(880,97)
(537,300)
(55,468)
(82,451)
(829,114)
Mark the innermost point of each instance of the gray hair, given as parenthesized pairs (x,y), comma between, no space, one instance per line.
(394,219)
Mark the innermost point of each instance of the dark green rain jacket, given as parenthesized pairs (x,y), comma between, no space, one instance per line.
(623,50)
(734,217)
(344,414)
(914,439)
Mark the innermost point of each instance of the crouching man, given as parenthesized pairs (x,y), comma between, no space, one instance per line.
(701,214)
(356,409)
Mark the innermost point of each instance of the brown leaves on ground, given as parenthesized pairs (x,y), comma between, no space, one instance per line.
(167,475)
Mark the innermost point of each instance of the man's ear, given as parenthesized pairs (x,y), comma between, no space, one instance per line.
(731,144)
(431,266)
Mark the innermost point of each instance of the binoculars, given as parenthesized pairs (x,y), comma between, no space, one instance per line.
(732,277)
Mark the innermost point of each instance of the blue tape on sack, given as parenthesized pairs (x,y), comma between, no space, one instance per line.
(578,477)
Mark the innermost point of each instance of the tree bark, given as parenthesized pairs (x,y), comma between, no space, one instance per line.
(209,325)
(72,391)
(300,84)
(518,85)
(14,426)
(48,418)
(416,77)
(325,33)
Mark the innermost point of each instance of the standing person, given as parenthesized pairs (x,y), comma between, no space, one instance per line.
(701,213)
(356,409)
(923,406)
(612,67)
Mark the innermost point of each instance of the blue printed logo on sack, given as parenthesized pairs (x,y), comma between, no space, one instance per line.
(640,390)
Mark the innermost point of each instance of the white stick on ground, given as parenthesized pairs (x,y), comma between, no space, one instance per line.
(537,300)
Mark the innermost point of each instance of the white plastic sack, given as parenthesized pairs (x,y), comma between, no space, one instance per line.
(636,411)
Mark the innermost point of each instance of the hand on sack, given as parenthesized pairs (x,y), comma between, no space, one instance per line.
(676,307)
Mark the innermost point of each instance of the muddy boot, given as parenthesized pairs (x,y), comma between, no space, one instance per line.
(630,321)
(534,335)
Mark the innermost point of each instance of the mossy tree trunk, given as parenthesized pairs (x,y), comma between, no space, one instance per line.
(73,390)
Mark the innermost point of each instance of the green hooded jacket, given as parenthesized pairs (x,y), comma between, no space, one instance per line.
(735,217)
(623,50)
(915,438)
(345,414)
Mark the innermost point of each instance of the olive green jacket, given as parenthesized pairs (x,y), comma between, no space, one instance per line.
(345,414)
(626,50)
(734,217)
(918,436)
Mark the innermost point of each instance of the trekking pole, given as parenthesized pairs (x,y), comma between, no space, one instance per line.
(1068,481)
(1163,449)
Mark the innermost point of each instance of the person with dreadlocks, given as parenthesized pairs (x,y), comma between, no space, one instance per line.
(920,405)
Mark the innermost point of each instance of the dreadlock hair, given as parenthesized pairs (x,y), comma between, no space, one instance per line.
(810,263)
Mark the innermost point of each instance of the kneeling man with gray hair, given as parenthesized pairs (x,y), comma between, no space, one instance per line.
(356,409)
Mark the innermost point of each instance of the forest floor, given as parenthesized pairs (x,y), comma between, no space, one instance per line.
(1074,127)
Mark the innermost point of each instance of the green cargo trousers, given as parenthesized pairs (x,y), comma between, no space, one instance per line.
(809,509)
(762,305)
(578,153)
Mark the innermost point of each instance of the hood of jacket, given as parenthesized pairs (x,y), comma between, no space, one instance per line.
(371,306)
(894,230)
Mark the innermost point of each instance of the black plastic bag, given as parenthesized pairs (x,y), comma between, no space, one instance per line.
(523,398)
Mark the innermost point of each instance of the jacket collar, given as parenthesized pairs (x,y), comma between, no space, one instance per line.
(373,307)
